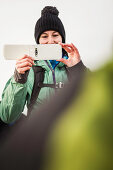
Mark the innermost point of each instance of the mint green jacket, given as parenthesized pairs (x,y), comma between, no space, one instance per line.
(16,95)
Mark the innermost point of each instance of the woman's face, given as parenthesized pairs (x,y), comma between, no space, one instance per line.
(50,37)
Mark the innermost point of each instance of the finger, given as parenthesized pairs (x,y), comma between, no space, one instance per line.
(26,56)
(60,43)
(22,70)
(63,60)
(25,60)
(67,47)
(25,64)
(75,49)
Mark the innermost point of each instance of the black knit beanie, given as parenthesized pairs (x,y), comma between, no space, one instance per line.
(49,20)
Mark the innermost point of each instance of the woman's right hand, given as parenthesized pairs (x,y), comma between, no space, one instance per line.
(23,64)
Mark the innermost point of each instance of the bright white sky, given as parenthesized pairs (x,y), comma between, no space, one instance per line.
(88,24)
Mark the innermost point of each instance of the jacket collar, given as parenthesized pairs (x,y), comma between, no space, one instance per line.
(44,65)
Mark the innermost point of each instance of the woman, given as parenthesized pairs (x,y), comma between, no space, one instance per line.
(18,90)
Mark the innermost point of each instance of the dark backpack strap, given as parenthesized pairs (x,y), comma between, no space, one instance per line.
(59,85)
(38,77)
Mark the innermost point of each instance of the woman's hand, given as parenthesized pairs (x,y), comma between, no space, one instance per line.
(73,55)
(23,64)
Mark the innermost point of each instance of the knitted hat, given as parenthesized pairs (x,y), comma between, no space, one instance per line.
(49,20)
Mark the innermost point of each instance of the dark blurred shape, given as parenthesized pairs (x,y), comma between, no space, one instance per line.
(72,131)
(83,138)
(22,146)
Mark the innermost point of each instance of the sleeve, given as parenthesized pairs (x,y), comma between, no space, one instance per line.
(13,99)
(76,70)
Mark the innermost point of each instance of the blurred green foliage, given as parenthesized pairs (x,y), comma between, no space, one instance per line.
(82,139)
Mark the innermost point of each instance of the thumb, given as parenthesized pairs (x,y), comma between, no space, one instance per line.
(63,60)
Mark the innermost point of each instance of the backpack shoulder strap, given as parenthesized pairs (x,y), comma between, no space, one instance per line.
(38,78)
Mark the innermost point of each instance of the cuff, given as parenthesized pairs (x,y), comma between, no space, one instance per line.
(20,78)
(78,66)
(76,70)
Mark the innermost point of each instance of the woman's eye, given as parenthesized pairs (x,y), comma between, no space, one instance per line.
(55,35)
(44,36)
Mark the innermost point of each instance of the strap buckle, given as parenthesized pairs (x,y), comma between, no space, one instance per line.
(59,85)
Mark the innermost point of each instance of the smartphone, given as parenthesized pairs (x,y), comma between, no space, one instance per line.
(38,51)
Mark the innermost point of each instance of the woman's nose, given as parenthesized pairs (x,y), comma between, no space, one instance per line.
(51,40)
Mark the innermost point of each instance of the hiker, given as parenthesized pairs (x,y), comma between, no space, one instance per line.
(34,82)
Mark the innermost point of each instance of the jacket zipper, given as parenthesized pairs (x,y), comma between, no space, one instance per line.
(53,72)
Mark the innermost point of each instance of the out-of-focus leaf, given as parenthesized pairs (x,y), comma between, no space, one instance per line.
(82,138)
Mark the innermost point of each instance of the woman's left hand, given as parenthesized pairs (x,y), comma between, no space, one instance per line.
(73,55)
